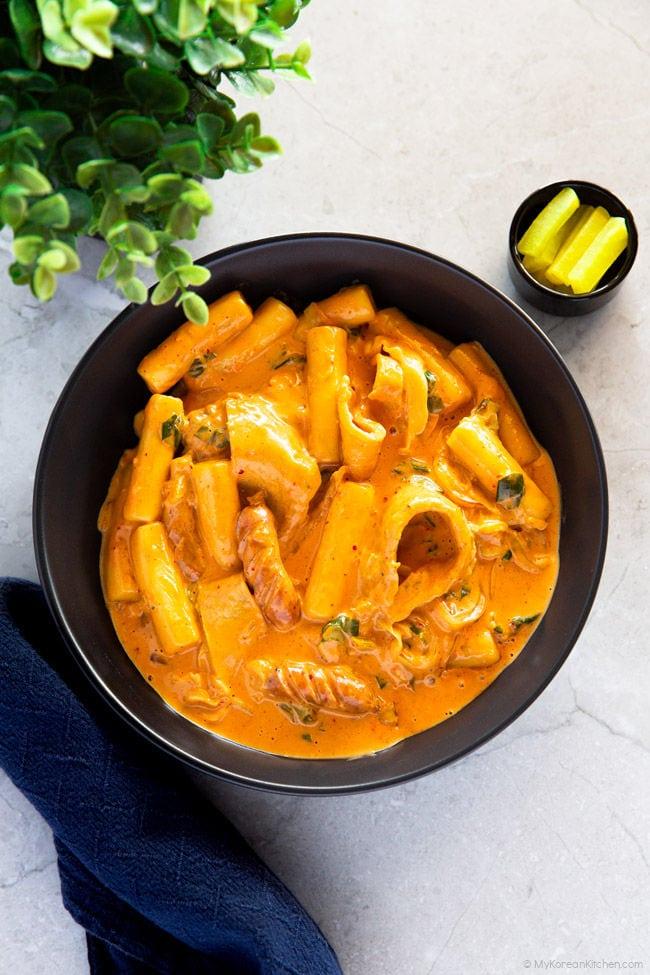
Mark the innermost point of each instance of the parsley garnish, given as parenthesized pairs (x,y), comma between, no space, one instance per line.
(434,403)
(340,627)
(381,681)
(288,360)
(298,714)
(507,555)
(171,428)
(216,438)
(419,466)
(510,490)
(198,365)
(518,621)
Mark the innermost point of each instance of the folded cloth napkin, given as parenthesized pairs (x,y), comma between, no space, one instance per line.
(160,881)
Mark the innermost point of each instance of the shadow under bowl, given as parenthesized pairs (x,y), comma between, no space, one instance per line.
(92,424)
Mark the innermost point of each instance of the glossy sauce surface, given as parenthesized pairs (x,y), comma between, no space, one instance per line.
(394,661)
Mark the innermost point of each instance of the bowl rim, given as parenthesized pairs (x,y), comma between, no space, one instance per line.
(601,290)
(297,788)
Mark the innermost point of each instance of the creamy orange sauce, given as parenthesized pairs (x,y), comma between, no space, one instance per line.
(415,665)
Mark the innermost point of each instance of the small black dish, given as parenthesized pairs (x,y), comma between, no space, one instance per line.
(92,423)
(547,298)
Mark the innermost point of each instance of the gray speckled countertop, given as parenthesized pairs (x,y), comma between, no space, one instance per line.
(429,129)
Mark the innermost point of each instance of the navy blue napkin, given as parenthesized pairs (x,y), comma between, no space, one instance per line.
(158,878)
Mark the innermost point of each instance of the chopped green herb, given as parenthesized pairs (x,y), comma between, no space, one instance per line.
(298,714)
(288,360)
(397,470)
(381,681)
(216,438)
(198,365)
(464,591)
(171,428)
(340,627)
(419,466)
(498,629)
(510,490)
(434,403)
(518,621)
(307,737)
(507,555)
(414,628)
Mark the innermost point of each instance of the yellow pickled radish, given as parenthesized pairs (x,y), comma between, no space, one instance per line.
(536,264)
(599,256)
(554,215)
(576,244)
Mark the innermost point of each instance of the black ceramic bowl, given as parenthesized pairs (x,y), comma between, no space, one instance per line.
(547,298)
(91,425)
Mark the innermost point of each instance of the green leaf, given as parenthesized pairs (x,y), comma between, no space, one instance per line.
(303,52)
(78,150)
(268,36)
(80,208)
(285,12)
(57,54)
(170,258)
(251,82)
(197,198)
(166,187)
(31,179)
(13,209)
(145,7)
(180,222)
(204,54)
(49,126)
(89,172)
(135,291)
(245,130)
(185,157)
(165,289)
(193,274)
(27,25)
(113,211)
(27,248)
(7,112)
(132,33)
(134,135)
(156,91)
(132,235)
(107,265)
(43,283)
(195,309)
(24,135)
(91,27)
(241,14)
(50,211)
(18,273)
(210,128)
(28,80)
(159,57)
(181,18)
(266,145)
(510,490)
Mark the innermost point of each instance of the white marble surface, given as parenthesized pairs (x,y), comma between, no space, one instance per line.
(429,129)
